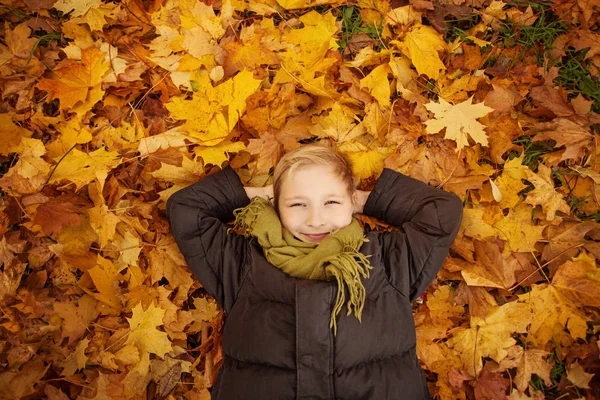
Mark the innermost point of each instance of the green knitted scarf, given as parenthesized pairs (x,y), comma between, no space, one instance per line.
(335,257)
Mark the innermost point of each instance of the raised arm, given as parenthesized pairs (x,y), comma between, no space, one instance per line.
(428,220)
(197,215)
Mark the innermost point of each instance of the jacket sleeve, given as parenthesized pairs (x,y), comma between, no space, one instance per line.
(428,220)
(197,215)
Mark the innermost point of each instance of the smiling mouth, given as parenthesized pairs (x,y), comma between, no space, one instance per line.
(316,236)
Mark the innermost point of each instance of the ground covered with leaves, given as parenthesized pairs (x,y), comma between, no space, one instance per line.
(108,107)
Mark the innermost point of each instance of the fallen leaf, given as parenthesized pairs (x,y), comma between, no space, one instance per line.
(421,44)
(78,82)
(378,84)
(545,194)
(575,138)
(490,385)
(460,121)
(577,375)
(558,312)
(144,335)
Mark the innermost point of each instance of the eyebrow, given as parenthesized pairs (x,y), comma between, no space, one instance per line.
(329,195)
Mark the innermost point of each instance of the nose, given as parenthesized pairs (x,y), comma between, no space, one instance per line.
(315,218)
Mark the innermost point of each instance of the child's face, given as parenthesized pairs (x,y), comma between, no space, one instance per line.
(314,202)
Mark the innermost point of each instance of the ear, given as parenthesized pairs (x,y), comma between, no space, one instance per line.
(355,208)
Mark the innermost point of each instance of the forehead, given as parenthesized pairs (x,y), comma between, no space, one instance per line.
(312,179)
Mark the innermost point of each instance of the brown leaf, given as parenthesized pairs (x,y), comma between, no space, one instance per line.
(10,279)
(479,300)
(18,384)
(579,281)
(502,98)
(490,386)
(553,100)
(167,383)
(268,151)
(55,393)
(56,214)
(566,240)
(575,138)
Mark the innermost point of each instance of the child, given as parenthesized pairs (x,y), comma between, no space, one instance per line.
(283,287)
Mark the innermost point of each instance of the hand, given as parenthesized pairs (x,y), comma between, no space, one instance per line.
(264,192)
(360,199)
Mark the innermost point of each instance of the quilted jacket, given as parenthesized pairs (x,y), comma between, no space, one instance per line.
(277,343)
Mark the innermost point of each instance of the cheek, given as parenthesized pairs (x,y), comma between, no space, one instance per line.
(344,218)
(287,219)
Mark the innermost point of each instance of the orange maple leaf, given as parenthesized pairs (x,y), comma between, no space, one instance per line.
(76,80)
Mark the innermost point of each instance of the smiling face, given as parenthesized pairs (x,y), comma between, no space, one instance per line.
(314,202)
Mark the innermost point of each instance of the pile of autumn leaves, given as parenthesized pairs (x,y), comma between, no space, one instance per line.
(130,102)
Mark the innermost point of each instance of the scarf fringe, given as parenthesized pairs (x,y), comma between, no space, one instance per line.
(348,268)
(245,217)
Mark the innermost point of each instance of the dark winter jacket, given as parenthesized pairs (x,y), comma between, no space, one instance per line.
(277,343)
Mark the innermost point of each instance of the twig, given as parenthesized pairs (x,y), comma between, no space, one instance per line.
(57,164)
(441,185)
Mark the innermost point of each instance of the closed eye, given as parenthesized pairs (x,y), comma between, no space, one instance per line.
(332,202)
(296,205)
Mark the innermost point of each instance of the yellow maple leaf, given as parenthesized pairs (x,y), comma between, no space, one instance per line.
(249,54)
(421,44)
(188,173)
(81,168)
(577,281)
(213,111)
(71,133)
(171,138)
(366,162)
(167,262)
(143,332)
(196,14)
(509,188)
(29,174)
(18,41)
(104,223)
(244,85)
(218,154)
(296,4)
(306,61)
(510,184)
(518,230)
(77,81)
(553,309)
(377,120)
(544,193)
(79,7)
(442,309)
(527,362)
(460,121)
(76,360)
(403,72)
(490,336)
(474,225)
(130,248)
(378,84)
(340,124)
(96,17)
(104,275)
(12,135)
(206,310)
(405,15)
(198,42)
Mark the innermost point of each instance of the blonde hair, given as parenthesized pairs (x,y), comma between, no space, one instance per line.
(313,154)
